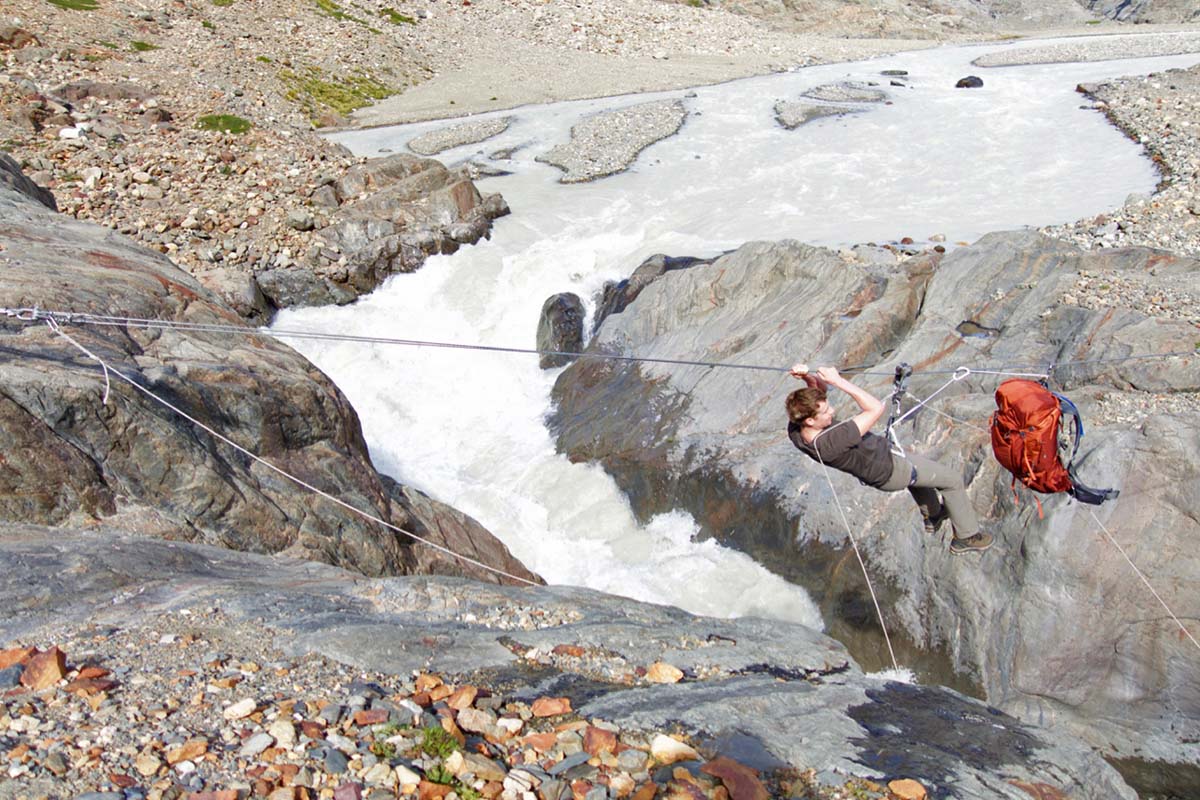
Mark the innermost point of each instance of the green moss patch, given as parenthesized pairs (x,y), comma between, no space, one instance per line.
(221,3)
(225,123)
(143,47)
(75,5)
(317,92)
(395,17)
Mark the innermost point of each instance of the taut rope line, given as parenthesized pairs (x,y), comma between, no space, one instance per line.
(854,543)
(1157,597)
(107,370)
(76,318)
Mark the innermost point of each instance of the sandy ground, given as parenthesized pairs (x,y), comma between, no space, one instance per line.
(507,75)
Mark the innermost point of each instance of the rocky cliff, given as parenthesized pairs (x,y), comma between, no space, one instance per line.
(81,446)
(1052,625)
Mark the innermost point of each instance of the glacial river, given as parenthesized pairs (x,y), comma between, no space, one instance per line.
(467,426)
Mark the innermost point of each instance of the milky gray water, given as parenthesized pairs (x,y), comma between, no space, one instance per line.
(467,427)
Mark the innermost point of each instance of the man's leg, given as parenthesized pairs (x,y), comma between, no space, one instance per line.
(932,475)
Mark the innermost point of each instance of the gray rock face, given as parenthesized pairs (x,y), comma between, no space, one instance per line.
(387,216)
(14,179)
(560,330)
(791,691)
(1052,625)
(1162,11)
(72,458)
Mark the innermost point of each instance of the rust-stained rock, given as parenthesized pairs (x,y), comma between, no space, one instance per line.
(741,781)
(906,789)
(597,741)
(462,697)
(1040,791)
(661,672)
(44,669)
(550,706)
(667,750)
(188,751)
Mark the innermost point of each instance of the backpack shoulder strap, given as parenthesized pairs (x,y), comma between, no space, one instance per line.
(1079,490)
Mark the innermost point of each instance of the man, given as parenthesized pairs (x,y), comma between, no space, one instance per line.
(850,447)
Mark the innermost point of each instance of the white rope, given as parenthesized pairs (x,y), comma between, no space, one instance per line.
(947,416)
(1133,566)
(854,543)
(54,327)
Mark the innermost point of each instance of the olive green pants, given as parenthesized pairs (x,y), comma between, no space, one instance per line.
(925,479)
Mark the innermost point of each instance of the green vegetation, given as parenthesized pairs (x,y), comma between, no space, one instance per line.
(208,25)
(75,5)
(263,59)
(439,774)
(387,729)
(226,123)
(316,92)
(142,47)
(109,45)
(395,17)
(437,743)
(222,3)
(383,750)
(332,9)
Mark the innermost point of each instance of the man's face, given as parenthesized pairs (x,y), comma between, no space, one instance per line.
(823,418)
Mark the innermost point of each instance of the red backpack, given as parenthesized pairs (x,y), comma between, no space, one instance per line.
(1029,441)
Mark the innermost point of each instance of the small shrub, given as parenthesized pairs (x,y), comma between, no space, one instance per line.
(395,17)
(76,5)
(207,25)
(383,750)
(142,47)
(263,59)
(387,729)
(226,123)
(437,743)
(439,774)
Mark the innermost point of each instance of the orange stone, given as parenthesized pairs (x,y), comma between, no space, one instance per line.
(542,742)
(188,751)
(646,792)
(451,727)
(123,781)
(91,672)
(226,794)
(426,682)
(741,781)
(440,692)
(597,741)
(550,706)
(422,699)
(374,716)
(90,685)
(906,789)
(568,650)
(580,789)
(432,791)
(43,670)
(662,672)
(17,655)
(463,697)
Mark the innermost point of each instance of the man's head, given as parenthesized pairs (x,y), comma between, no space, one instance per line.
(808,407)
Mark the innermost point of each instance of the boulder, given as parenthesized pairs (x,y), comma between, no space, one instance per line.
(560,330)
(83,445)
(969,82)
(1052,625)
(789,695)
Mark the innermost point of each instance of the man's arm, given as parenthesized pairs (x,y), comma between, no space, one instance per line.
(870,405)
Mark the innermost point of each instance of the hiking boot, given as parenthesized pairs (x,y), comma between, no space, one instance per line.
(934,524)
(972,544)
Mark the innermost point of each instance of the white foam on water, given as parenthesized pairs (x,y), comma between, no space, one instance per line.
(468,427)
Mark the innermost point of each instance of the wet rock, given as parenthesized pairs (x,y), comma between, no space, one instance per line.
(969,82)
(560,330)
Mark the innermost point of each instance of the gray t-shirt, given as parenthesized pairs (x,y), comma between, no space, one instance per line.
(865,456)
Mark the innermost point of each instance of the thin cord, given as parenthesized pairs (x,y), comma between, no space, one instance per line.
(1128,560)
(69,317)
(854,543)
(947,416)
(54,327)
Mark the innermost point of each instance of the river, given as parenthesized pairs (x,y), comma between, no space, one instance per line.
(467,426)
